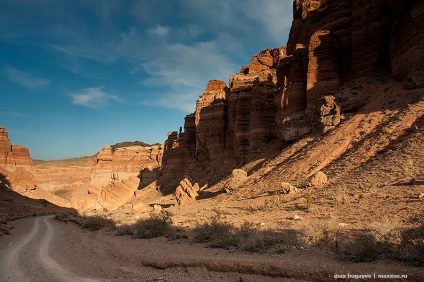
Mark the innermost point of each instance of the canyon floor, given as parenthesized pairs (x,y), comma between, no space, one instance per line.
(36,251)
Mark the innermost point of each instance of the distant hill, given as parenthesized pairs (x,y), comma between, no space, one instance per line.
(132,143)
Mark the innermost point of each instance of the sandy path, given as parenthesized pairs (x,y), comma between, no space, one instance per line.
(35,251)
(43,249)
(35,245)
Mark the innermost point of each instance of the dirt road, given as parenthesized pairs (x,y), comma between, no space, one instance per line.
(28,257)
(43,249)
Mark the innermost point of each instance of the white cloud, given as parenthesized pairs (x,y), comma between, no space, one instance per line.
(183,101)
(159,30)
(25,79)
(270,14)
(93,97)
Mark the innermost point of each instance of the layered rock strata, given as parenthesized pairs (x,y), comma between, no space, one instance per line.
(108,180)
(289,92)
(13,156)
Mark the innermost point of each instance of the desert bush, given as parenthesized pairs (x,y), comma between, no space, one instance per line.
(359,248)
(95,223)
(157,225)
(217,233)
(124,230)
(387,233)
(412,245)
(69,217)
(319,234)
(260,241)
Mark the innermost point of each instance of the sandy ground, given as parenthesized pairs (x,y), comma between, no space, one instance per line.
(42,249)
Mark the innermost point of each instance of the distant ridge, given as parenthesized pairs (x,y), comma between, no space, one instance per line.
(132,143)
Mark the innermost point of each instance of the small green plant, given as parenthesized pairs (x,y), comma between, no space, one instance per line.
(309,201)
(360,198)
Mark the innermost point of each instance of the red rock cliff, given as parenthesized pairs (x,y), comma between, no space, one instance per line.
(16,163)
(288,92)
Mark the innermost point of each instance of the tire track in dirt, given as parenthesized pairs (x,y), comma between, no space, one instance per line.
(10,261)
(49,263)
(14,267)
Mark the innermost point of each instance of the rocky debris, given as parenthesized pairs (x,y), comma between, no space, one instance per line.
(186,192)
(287,188)
(296,217)
(238,177)
(157,208)
(421,196)
(318,179)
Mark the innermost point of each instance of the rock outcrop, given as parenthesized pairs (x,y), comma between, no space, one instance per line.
(289,92)
(211,120)
(186,192)
(13,156)
(16,163)
(107,180)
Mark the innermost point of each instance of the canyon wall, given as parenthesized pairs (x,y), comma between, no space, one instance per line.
(107,180)
(289,92)
(16,163)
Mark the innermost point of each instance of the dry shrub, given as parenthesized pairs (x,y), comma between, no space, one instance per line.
(69,217)
(412,245)
(387,233)
(260,241)
(95,223)
(124,230)
(217,233)
(359,248)
(157,225)
(325,234)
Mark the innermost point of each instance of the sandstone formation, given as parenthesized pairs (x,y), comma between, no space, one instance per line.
(13,156)
(186,192)
(211,120)
(108,180)
(16,163)
(306,88)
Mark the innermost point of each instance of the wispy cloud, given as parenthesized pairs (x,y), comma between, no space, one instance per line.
(178,69)
(93,97)
(159,30)
(87,51)
(269,15)
(26,79)
(182,101)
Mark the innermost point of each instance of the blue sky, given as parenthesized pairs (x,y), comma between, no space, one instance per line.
(78,75)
